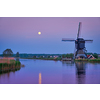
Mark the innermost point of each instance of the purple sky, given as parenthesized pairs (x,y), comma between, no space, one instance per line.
(21,34)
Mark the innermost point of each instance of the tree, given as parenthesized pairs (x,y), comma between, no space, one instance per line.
(95,55)
(7,53)
(71,55)
(17,54)
(63,55)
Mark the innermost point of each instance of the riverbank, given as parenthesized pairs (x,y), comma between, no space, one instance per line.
(44,58)
(7,65)
(88,60)
(57,59)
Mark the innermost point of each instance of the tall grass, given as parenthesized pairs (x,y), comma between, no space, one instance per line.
(12,66)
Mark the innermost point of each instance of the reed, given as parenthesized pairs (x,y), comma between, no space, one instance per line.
(12,65)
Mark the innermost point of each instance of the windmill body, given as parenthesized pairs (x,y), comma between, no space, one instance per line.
(80,50)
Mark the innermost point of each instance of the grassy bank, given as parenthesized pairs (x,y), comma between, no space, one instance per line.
(88,60)
(15,63)
(6,66)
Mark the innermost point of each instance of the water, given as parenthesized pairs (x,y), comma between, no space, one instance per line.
(53,72)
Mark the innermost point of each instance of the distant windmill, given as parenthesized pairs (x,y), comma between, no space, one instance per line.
(80,50)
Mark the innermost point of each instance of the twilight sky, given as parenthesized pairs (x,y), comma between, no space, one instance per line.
(21,34)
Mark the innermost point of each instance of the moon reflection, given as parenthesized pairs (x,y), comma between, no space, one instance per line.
(40,79)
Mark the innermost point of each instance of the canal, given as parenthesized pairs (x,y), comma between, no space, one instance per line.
(53,72)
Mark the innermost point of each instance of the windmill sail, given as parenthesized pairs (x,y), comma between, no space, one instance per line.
(67,39)
(88,41)
(78,34)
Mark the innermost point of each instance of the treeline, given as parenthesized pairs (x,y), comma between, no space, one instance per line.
(71,55)
(9,53)
(25,55)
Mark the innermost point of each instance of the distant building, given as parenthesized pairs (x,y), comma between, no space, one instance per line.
(55,56)
(90,57)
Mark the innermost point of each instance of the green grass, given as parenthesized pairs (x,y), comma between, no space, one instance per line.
(81,60)
(89,60)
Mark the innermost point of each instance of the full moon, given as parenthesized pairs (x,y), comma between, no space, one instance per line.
(39,33)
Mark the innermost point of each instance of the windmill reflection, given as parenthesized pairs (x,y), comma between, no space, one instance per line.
(74,72)
(80,72)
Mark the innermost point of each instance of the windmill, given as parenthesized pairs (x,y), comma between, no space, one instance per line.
(80,50)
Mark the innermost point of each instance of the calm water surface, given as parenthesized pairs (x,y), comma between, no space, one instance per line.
(53,72)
